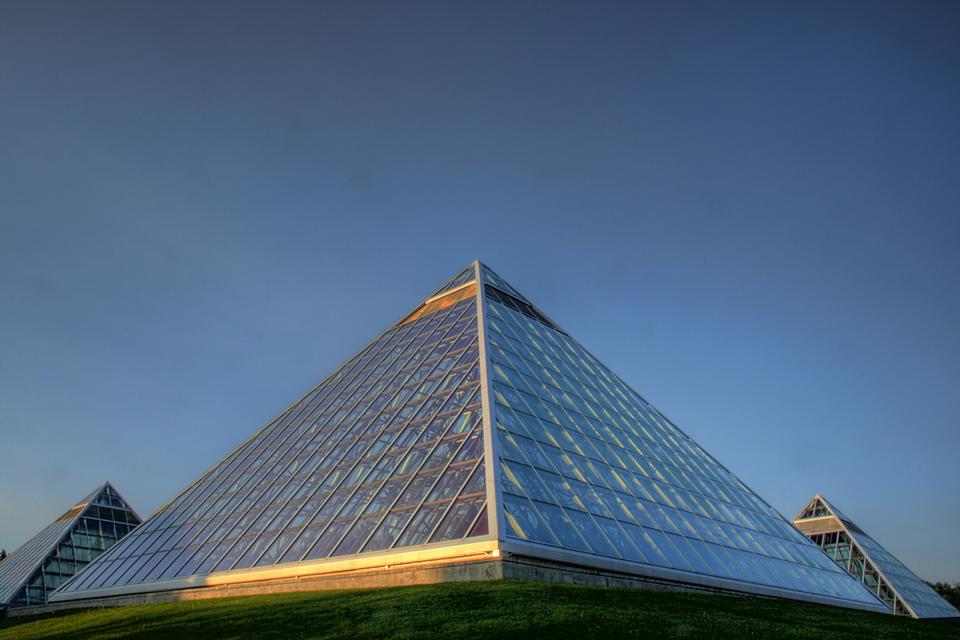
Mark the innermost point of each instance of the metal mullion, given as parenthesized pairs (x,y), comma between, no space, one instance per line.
(278,426)
(463,484)
(494,502)
(444,289)
(538,366)
(231,474)
(393,378)
(281,449)
(321,455)
(299,418)
(588,483)
(851,539)
(352,376)
(399,432)
(39,554)
(73,526)
(181,537)
(196,489)
(412,475)
(131,558)
(313,415)
(476,518)
(357,379)
(415,472)
(195,485)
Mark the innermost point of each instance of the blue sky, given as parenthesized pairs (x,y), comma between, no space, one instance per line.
(750,212)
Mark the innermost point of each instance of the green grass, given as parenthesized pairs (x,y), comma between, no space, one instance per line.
(476,610)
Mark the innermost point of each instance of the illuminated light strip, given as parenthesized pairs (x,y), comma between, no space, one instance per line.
(481,549)
(447,299)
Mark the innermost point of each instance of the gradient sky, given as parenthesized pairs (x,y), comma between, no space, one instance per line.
(750,212)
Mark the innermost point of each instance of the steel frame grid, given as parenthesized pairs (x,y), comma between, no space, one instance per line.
(62,537)
(724,498)
(844,525)
(492,465)
(281,424)
(226,508)
(597,362)
(495,510)
(253,483)
(785,525)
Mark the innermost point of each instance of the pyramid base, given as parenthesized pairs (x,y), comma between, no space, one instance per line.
(514,567)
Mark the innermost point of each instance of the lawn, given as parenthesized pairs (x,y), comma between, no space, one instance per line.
(470,611)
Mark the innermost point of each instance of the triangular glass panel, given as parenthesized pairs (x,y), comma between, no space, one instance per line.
(876,568)
(64,547)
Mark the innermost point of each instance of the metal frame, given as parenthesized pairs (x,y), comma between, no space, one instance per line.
(49,549)
(290,437)
(841,524)
(575,557)
(495,514)
(474,549)
(661,444)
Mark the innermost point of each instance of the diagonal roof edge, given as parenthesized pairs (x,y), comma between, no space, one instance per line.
(845,524)
(48,539)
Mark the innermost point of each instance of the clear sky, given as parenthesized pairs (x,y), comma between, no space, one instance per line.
(750,212)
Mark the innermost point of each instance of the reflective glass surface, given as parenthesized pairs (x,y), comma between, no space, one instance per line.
(461,278)
(388,453)
(588,465)
(863,557)
(64,547)
(385,453)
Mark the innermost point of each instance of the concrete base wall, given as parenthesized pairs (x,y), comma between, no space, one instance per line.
(538,570)
(378,579)
(515,567)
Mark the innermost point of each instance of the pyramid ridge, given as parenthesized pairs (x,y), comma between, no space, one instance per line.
(50,557)
(474,427)
(854,550)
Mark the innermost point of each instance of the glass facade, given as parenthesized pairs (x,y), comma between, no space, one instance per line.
(587,465)
(879,571)
(386,453)
(64,547)
(390,453)
(462,278)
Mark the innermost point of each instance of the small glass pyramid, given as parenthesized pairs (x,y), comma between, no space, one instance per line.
(856,552)
(90,527)
(474,427)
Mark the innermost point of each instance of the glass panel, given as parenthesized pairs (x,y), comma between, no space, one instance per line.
(878,570)
(370,459)
(33,571)
(589,465)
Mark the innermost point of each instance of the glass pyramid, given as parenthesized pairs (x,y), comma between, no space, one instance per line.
(64,547)
(473,427)
(855,551)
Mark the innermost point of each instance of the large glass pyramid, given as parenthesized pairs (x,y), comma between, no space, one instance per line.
(472,428)
(69,543)
(855,551)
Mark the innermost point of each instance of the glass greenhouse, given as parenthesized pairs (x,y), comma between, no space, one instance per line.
(64,547)
(473,428)
(850,547)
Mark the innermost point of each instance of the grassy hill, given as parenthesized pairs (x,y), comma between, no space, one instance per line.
(476,610)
